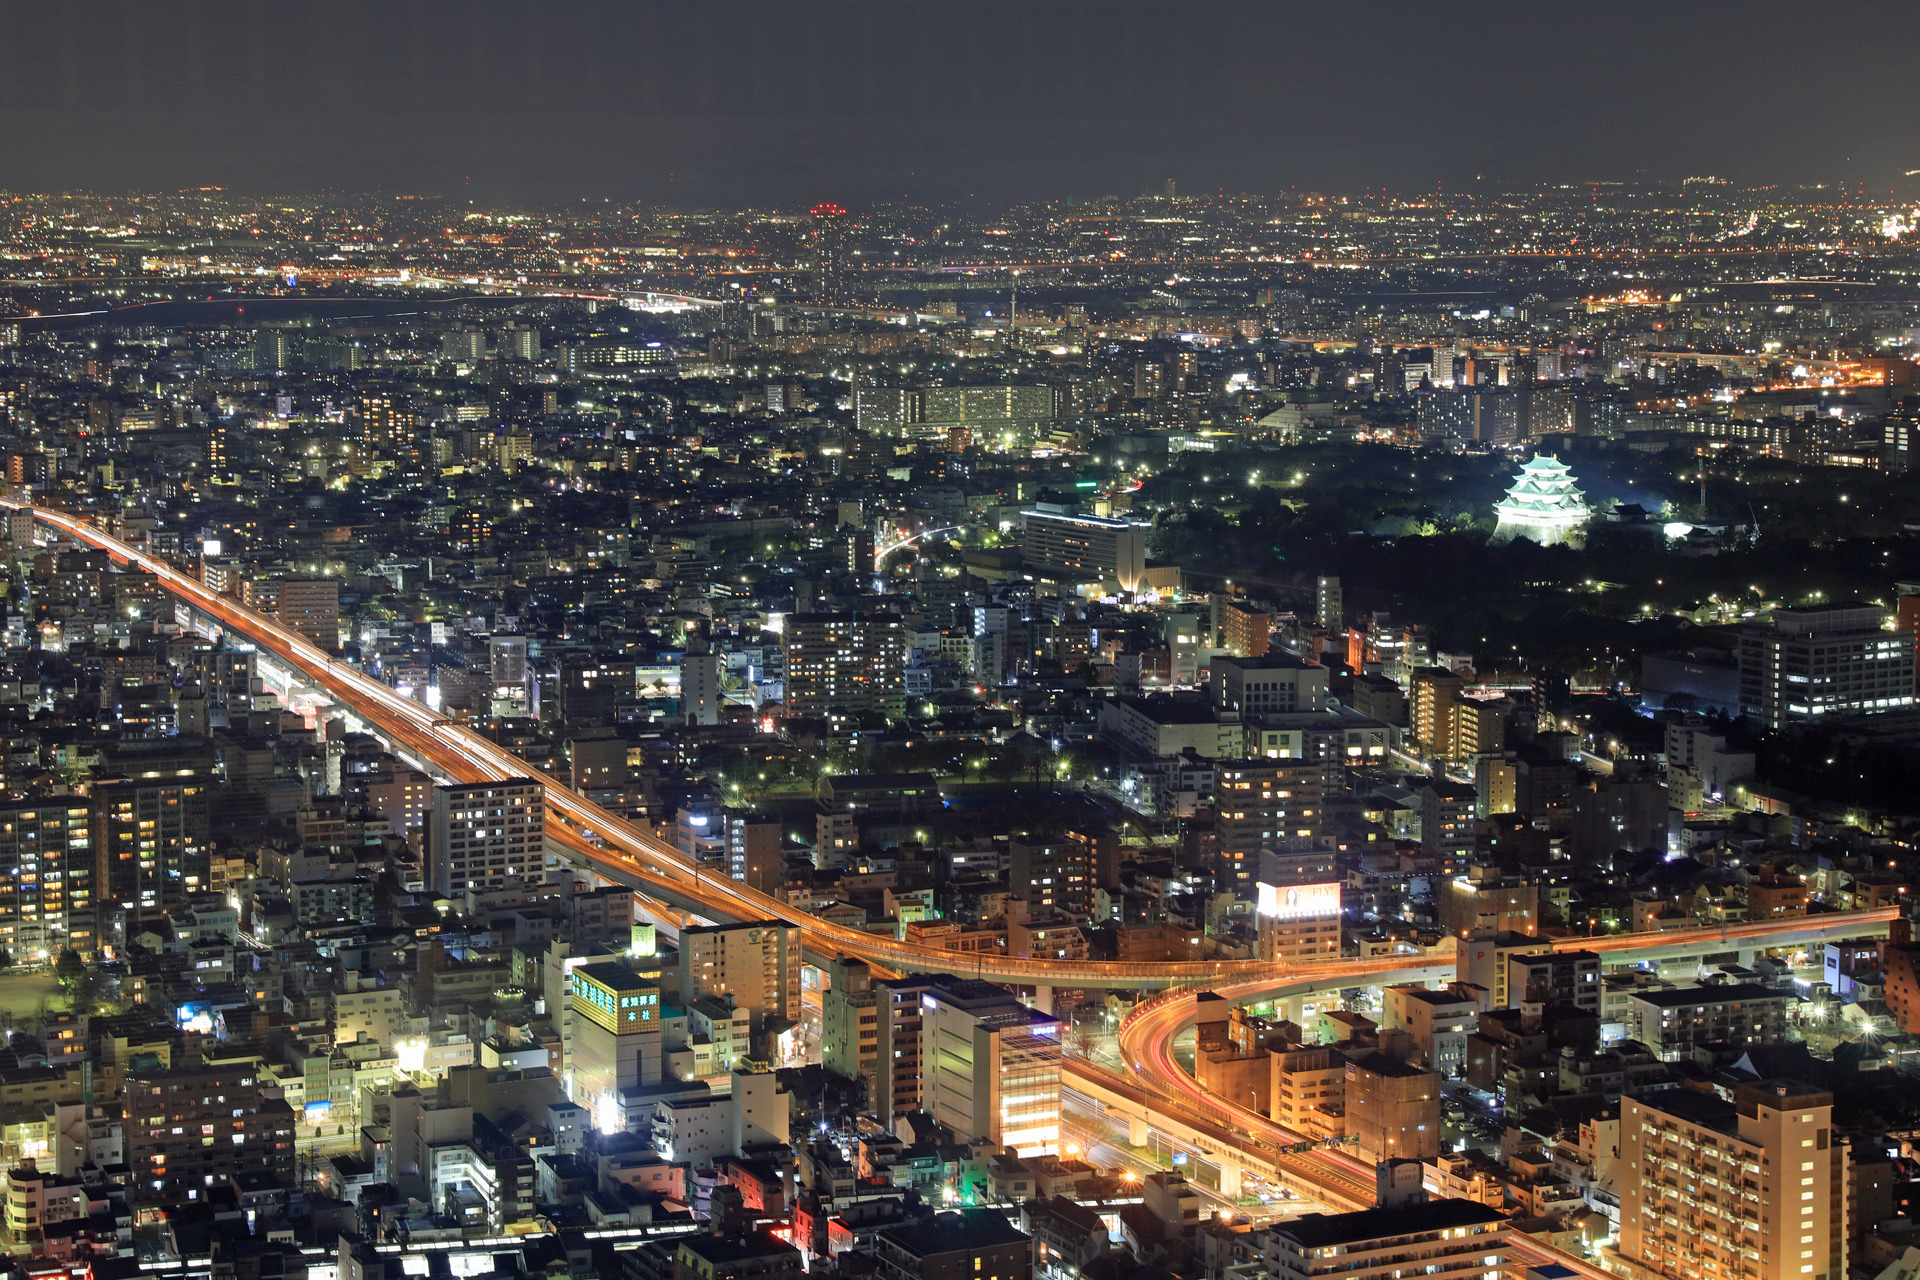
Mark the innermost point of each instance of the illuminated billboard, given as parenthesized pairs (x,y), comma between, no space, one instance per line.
(1298,901)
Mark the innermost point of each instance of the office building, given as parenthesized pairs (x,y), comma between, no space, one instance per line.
(487,835)
(188,1127)
(1086,546)
(1751,1189)
(1298,922)
(844,662)
(897,1076)
(850,1026)
(616,1045)
(311,607)
(972,1244)
(1393,1109)
(1812,664)
(756,964)
(992,1066)
(1449,1239)
(1276,683)
(1439,1023)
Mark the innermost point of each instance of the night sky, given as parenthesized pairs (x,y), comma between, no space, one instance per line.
(713,101)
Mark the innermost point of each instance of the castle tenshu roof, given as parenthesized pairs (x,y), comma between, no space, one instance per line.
(1544,491)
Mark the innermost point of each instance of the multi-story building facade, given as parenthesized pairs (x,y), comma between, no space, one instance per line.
(1752,1189)
(1090,546)
(992,1066)
(616,1039)
(47,858)
(188,1126)
(1674,1023)
(487,835)
(1812,664)
(311,607)
(150,840)
(1263,804)
(756,965)
(1275,683)
(897,1075)
(1448,1239)
(1393,1109)
(845,662)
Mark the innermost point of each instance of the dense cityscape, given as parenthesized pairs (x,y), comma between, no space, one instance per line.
(1236,737)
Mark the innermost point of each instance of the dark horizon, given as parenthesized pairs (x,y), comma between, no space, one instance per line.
(742,102)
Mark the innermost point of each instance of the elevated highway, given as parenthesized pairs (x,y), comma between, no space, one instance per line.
(610,845)
(625,853)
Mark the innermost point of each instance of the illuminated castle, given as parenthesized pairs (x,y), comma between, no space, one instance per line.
(1543,505)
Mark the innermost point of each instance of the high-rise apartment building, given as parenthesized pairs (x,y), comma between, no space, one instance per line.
(756,963)
(700,669)
(1752,1189)
(1262,804)
(519,342)
(897,1075)
(311,607)
(388,423)
(47,877)
(190,1126)
(1433,707)
(274,349)
(1329,606)
(754,855)
(464,346)
(1052,873)
(1815,663)
(151,840)
(850,1026)
(487,835)
(845,661)
(1091,546)
(1245,632)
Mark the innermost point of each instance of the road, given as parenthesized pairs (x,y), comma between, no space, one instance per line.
(628,854)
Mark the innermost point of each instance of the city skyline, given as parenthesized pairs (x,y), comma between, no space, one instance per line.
(837,641)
